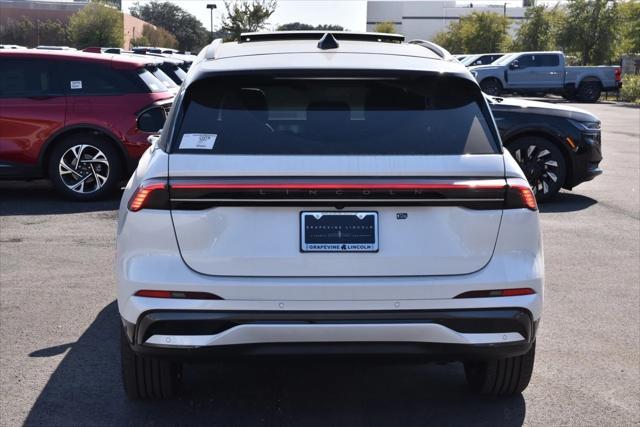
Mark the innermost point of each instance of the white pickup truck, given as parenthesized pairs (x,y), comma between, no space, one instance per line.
(545,72)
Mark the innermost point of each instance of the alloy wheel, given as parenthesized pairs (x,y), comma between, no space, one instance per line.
(84,168)
(539,166)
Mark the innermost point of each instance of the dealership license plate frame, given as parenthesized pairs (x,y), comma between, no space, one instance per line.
(339,247)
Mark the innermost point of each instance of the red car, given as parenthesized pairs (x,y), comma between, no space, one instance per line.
(80,119)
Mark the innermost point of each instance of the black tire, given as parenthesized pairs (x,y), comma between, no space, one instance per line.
(542,163)
(569,96)
(100,167)
(491,86)
(501,377)
(589,92)
(146,377)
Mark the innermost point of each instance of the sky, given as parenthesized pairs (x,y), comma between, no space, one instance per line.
(351,14)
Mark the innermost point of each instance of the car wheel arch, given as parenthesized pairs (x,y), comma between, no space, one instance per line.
(589,79)
(107,135)
(554,139)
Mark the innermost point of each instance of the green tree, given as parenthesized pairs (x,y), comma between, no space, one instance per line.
(52,32)
(330,27)
(478,32)
(246,17)
(451,39)
(630,26)
(299,26)
(96,25)
(539,29)
(385,27)
(21,32)
(187,29)
(591,30)
(158,37)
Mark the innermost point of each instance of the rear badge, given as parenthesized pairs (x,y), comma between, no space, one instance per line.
(402,215)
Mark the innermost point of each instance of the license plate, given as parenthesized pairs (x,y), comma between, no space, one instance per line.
(339,231)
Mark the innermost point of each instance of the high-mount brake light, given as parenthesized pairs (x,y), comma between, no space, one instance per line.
(150,293)
(497,293)
(152,195)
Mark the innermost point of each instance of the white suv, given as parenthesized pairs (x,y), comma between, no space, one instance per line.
(328,194)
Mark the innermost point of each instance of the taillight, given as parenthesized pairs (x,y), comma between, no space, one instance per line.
(618,73)
(150,195)
(149,293)
(497,293)
(520,195)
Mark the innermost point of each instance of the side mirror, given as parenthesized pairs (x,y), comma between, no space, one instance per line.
(514,65)
(152,120)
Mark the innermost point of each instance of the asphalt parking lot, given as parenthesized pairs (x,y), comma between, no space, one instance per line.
(59,357)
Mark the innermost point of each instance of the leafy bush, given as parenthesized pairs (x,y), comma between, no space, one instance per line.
(630,91)
(96,25)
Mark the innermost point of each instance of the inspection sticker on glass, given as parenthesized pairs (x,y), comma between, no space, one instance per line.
(198,141)
(76,84)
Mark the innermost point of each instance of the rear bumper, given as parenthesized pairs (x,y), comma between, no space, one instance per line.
(441,334)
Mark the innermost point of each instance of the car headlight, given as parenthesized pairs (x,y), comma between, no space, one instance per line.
(585,126)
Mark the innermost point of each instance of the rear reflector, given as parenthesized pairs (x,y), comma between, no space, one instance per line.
(497,293)
(147,293)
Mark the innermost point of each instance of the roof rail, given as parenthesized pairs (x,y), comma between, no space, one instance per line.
(318,34)
(438,50)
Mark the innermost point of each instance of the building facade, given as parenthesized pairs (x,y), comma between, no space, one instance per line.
(40,11)
(424,19)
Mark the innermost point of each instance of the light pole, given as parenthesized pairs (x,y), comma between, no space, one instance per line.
(211,6)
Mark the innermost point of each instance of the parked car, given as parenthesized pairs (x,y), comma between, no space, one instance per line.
(11,46)
(307,195)
(115,50)
(460,57)
(171,72)
(80,119)
(481,59)
(186,58)
(42,47)
(545,72)
(556,146)
(170,68)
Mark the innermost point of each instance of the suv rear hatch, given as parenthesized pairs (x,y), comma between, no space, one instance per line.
(261,163)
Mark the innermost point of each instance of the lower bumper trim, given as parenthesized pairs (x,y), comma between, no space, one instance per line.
(461,332)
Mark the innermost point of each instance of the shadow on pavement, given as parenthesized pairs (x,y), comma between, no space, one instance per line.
(40,198)
(567,202)
(86,389)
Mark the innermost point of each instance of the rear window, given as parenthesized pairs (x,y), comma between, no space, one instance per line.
(335,115)
(152,83)
(162,76)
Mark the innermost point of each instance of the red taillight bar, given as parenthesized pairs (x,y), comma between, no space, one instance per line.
(335,186)
(526,196)
(150,293)
(155,195)
(141,197)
